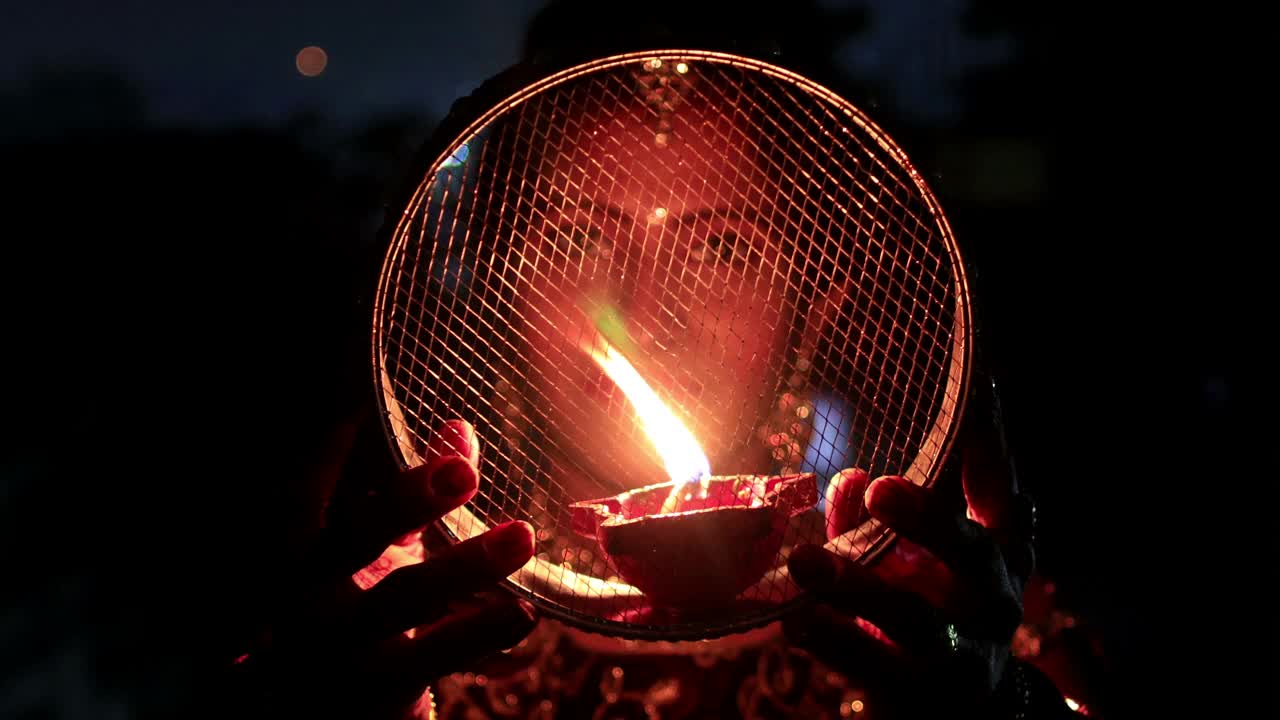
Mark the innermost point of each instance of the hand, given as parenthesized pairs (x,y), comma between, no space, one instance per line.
(927,628)
(335,648)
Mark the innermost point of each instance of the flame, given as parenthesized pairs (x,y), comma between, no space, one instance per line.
(683,457)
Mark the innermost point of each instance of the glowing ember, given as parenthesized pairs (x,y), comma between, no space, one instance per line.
(685,462)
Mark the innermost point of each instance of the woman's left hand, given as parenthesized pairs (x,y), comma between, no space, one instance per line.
(929,627)
(336,649)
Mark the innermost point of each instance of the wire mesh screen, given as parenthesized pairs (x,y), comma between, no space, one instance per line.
(763,257)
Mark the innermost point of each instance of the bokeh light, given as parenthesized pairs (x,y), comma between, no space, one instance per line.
(311,60)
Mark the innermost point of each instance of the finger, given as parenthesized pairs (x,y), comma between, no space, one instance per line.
(907,618)
(375,521)
(463,638)
(431,490)
(455,437)
(844,508)
(417,594)
(415,497)
(984,588)
(424,494)
(990,483)
(911,511)
(363,527)
(837,640)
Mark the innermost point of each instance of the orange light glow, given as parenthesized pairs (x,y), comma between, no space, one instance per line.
(681,454)
(311,61)
(1071,703)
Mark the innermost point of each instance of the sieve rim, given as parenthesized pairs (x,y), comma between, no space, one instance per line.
(534,81)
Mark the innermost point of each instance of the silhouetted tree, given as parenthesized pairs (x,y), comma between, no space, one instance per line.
(61,101)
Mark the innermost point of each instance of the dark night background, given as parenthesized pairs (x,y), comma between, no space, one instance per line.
(190,234)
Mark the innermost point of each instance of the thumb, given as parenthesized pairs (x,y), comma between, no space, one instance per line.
(990,483)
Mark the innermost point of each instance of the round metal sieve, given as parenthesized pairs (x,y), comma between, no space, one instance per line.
(764,256)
